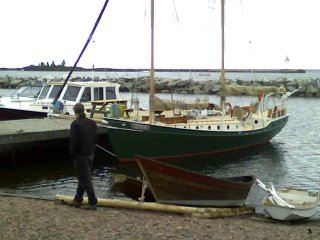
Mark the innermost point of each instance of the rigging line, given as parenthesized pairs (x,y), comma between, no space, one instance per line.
(175,10)
(212,6)
(106,151)
(145,12)
(82,51)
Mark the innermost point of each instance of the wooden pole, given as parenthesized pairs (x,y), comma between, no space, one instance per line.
(222,74)
(152,92)
(153,206)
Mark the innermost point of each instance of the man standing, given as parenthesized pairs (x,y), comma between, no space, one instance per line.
(83,137)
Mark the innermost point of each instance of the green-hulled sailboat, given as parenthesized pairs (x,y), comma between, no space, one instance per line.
(173,130)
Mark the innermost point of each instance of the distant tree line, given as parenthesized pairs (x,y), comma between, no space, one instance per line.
(50,67)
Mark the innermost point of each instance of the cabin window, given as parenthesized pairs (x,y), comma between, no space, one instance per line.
(110,93)
(209,127)
(44,92)
(30,91)
(54,91)
(86,96)
(71,93)
(98,93)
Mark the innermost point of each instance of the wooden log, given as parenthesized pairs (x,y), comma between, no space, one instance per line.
(193,211)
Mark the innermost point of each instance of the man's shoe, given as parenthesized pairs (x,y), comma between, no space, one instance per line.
(75,204)
(90,207)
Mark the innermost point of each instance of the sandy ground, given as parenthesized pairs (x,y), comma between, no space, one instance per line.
(22,218)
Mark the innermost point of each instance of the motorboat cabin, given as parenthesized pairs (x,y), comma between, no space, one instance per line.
(73,92)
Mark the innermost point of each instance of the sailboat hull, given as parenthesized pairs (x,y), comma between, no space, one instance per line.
(164,143)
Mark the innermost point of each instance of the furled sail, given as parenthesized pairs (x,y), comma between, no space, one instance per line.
(234,90)
(159,104)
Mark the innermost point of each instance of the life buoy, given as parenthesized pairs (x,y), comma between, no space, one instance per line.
(228,108)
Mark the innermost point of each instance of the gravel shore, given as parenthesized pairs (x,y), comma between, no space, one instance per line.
(23,218)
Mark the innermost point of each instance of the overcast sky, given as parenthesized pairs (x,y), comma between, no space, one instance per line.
(259,33)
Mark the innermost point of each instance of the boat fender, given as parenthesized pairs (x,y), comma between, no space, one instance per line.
(58,106)
(116,111)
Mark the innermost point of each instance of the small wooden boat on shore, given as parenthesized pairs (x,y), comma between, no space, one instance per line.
(174,185)
(134,188)
(290,204)
(304,204)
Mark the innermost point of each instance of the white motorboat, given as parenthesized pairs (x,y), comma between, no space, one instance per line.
(21,99)
(81,91)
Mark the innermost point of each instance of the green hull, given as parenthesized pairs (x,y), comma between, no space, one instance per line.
(130,138)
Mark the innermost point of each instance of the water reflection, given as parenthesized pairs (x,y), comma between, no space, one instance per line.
(53,176)
(242,162)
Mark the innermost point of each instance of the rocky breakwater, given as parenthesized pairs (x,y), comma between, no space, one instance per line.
(306,87)
(13,83)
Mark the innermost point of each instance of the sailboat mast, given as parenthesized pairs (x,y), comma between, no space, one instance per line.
(222,74)
(82,51)
(152,91)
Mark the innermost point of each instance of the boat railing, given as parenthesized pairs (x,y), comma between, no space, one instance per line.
(277,111)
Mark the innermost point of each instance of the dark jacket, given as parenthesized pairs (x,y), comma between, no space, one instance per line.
(83,137)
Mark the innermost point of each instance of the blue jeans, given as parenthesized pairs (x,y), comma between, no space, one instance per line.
(83,165)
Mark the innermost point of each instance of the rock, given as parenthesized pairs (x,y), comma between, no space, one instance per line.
(290,88)
(311,90)
(165,91)
(161,85)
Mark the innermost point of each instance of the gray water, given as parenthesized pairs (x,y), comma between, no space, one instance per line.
(291,159)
